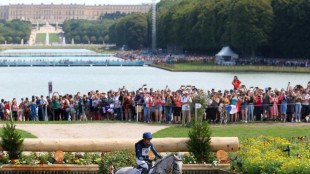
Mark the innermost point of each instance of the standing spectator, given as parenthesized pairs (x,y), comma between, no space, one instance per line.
(298,99)
(7,109)
(14,109)
(244,107)
(186,101)
(126,107)
(274,106)
(117,106)
(169,101)
(236,83)
(266,104)
(33,109)
(283,106)
(148,105)
(2,110)
(258,105)
(233,104)
(27,109)
(21,110)
(139,103)
(40,108)
(251,98)
(177,109)
(290,106)
(305,103)
(56,107)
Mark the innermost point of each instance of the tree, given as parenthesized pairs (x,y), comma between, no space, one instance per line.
(251,24)
(11,140)
(85,39)
(77,39)
(93,39)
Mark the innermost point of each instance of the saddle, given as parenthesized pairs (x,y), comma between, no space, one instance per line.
(150,166)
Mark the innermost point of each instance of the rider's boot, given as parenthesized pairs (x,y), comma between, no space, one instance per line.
(144,171)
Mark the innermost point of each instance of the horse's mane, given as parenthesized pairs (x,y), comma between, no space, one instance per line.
(159,161)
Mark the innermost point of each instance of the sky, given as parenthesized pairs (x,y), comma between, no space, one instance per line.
(88,2)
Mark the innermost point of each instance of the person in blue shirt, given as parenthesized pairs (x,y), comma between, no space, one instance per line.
(143,147)
(33,109)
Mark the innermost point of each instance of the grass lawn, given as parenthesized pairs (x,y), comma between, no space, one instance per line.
(40,38)
(53,37)
(211,67)
(24,134)
(242,131)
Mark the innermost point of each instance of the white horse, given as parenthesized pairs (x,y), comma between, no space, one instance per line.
(167,165)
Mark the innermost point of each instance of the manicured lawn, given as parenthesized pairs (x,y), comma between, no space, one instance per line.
(24,134)
(242,131)
(40,38)
(53,37)
(211,67)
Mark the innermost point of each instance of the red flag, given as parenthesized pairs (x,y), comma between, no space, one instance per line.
(111,169)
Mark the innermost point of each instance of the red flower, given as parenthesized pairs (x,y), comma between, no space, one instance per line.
(227,145)
(12,160)
(232,149)
(202,159)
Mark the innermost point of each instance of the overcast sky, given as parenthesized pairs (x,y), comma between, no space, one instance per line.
(88,2)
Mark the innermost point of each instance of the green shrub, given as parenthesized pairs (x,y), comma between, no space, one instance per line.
(118,159)
(200,139)
(11,140)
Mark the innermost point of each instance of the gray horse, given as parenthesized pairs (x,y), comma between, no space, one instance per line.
(167,165)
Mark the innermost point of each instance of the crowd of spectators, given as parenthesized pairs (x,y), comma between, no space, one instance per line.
(241,104)
(168,58)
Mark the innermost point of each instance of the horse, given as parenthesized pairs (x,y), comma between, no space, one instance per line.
(169,164)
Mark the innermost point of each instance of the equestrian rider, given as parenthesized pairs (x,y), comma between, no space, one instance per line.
(143,148)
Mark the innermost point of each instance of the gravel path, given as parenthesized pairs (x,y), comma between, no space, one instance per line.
(90,130)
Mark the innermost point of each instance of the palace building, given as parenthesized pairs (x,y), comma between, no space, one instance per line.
(53,13)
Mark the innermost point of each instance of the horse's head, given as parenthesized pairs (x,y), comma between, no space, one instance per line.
(177,165)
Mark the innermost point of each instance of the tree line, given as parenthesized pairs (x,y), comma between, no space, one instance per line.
(14,31)
(85,31)
(273,28)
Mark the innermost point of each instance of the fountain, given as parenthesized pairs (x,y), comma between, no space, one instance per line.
(63,41)
(37,26)
(154,26)
(47,40)
(56,26)
(72,41)
(22,42)
(5,42)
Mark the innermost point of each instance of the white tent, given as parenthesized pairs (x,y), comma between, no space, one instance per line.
(226,56)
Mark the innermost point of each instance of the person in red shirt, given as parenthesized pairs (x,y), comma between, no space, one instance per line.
(7,109)
(236,83)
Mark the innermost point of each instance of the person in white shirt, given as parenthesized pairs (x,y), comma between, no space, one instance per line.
(186,101)
(147,109)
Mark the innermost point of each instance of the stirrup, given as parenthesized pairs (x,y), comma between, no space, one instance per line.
(144,171)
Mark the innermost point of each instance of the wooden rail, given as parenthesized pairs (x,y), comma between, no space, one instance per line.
(107,145)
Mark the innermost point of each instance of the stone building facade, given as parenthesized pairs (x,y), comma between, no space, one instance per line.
(53,13)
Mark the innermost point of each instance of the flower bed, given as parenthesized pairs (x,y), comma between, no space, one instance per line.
(273,155)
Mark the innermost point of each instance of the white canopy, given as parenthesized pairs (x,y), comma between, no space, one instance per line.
(227,52)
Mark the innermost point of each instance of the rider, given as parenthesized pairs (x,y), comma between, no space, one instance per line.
(143,148)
